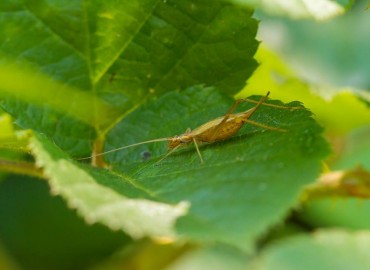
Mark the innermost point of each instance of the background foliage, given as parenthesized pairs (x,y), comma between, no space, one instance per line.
(78,78)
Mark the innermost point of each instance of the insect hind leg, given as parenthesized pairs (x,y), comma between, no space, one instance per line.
(232,108)
(169,153)
(273,105)
(264,126)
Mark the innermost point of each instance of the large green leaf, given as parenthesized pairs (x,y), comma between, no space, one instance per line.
(105,197)
(322,250)
(122,52)
(231,198)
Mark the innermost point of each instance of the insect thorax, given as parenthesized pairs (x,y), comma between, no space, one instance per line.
(177,140)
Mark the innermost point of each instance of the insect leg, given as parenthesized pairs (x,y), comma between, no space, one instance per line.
(230,111)
(273,105)
(169,153)
(226,116)
(263,126)
(196,147)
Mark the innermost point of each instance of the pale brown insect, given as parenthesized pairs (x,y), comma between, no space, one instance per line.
(216,130)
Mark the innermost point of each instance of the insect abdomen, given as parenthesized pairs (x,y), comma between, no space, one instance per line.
(227,130)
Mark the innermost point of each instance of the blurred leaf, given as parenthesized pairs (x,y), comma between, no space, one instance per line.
(216,258)
(322,250)
(242,175)
(6,126)
(325,53)
(354,149)
(121,52)
(143,255)
(148,256)
(13,145)
(10,138)
(337,212)
(20,167)
(6,262)
(339,112)
(39,89)
(351,167)
(345,183)
(288,228)
(102,196)
(40,232)
(319,9)
(347,179)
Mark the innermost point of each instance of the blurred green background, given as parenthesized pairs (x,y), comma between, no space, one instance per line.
(331,53)
(325,56)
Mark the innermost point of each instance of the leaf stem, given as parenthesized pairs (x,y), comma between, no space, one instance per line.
(21,167)
(97,159)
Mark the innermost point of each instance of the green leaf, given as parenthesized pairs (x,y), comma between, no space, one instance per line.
(349,213)
(174,257)
(102,196)
(6,261)
(318,10)
(242,175)
(67,106)
(349,178)
(123,53)
(232,197)
(216,258)
(35,88)
(7,129)
(41,232)
(355,150)
(13,146)
(330,109)
(322,250)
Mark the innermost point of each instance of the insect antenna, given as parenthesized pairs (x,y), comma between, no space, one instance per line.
(123,147)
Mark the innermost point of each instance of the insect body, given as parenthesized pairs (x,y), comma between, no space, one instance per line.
(218,129)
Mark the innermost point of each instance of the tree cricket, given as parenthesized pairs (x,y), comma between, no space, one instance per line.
(218,129)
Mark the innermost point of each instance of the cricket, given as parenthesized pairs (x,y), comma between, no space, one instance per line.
(218,129)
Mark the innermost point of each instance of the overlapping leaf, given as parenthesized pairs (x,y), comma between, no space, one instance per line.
(231,198)
(217,258)
(322,250)
(280,79)
(105,197)
(123,53)
(318,10)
